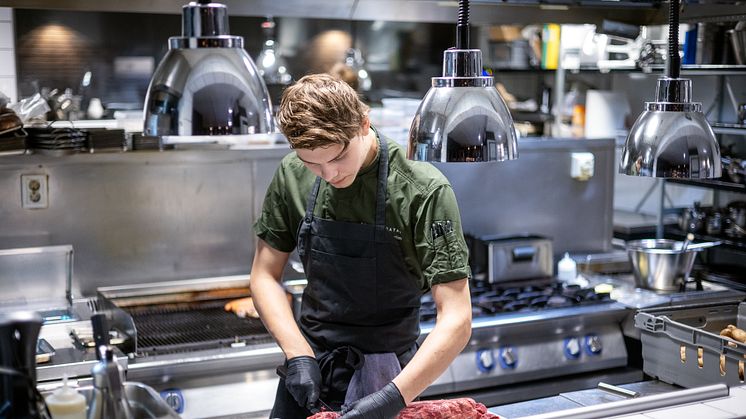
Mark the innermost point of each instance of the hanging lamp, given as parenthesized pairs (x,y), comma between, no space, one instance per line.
(462,117)
(672,138)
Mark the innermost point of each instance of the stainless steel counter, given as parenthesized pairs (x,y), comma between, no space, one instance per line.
(656,400)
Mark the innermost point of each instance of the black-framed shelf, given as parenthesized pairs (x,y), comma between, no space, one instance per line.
(727,241)
(690,69)
(711,184)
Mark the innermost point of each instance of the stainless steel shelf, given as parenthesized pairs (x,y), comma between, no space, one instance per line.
(730,129)
(686,70)
(711,184)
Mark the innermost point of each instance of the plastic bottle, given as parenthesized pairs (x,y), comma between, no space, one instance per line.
(567,269)
(95,108)
(66,403)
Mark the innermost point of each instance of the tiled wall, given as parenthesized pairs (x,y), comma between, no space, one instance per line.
(7,54)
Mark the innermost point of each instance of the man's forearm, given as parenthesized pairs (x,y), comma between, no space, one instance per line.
(447,339)
(277,315)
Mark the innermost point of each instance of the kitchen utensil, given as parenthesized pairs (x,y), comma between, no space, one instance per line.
(282,371)
(44,351)
(703,245)
(19,397)
(738,41)
(736,221)
(735,169)
(685,244)
(619,391)
(9,122)
(660,264)
(714,223)
(693,219)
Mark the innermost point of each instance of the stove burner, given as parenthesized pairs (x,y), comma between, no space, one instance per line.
(490,299)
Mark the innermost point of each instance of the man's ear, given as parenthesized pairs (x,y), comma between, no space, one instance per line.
(365,127)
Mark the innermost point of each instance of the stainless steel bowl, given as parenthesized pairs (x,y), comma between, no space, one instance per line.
(660,264)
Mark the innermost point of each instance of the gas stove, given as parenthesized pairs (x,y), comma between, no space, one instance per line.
(522,297)
(533,329)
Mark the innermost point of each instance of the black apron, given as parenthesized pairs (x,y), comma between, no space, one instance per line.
(360,298)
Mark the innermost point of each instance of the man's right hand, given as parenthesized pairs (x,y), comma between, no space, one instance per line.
(303,381)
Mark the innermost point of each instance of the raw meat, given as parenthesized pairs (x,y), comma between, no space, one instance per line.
(463,408)
(325,415)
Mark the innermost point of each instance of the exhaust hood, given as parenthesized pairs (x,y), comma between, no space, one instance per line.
(206,84)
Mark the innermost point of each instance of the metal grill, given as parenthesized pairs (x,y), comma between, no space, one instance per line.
(185,327)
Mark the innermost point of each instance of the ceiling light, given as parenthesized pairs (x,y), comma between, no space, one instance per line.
(672,138)
(462,117)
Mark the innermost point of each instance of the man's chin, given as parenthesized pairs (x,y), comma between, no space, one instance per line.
(343,183)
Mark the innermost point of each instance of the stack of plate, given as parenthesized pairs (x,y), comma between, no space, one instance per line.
(57,140)
(106,139)
(13,140)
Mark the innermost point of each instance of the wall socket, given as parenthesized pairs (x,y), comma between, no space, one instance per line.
(34,191)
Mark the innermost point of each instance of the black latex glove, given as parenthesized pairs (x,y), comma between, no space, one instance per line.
(386,403)
(303,381)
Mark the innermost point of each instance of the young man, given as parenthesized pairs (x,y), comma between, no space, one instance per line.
(374,232)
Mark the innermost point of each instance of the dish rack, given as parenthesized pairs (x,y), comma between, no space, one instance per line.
(682,344)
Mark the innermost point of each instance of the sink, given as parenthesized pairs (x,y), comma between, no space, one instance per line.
(144,402)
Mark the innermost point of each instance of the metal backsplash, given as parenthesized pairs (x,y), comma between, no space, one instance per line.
(144,217)
(536,194)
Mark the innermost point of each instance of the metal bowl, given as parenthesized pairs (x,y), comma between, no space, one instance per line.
(660,264)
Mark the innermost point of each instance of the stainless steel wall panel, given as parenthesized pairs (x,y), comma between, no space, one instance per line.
(535,194)
(141,217)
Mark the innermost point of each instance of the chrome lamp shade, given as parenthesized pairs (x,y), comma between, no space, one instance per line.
(206,84)
(462,117)
(672,140)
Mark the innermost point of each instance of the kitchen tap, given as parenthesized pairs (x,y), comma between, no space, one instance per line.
(108,400)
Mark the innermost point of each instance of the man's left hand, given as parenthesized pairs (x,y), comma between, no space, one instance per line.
(383,404)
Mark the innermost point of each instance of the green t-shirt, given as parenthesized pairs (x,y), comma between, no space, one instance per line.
(420,204)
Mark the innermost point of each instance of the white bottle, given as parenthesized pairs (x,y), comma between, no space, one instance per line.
(66,403)
(567,269)
(95,108)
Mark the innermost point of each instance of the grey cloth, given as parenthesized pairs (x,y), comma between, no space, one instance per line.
(378,370)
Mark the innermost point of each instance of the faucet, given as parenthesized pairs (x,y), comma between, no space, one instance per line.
(108,400)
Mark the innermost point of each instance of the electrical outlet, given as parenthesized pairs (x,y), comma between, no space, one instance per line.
(34,191)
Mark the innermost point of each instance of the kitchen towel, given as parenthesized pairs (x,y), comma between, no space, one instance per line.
(377,371)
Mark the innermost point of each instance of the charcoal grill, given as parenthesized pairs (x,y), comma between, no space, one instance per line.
(184,327)
(181,328)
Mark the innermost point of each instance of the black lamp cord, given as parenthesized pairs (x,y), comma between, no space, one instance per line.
(38,398)
(462,26)
(674,61)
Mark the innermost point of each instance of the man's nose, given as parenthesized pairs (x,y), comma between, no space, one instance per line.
(328,172)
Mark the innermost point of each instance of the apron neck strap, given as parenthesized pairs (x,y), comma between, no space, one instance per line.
(383,174)
(312,199)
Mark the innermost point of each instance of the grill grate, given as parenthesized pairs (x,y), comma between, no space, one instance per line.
(184,327)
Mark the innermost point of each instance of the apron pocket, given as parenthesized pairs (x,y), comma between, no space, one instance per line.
(344,287)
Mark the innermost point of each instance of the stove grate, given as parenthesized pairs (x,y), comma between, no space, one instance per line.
(185,327)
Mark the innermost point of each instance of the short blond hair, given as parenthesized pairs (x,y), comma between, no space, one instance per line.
(320,110)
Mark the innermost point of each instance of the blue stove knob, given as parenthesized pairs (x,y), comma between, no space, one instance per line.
(593,344)
(485,360)
(507,357)
(174,398)
(572,347)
